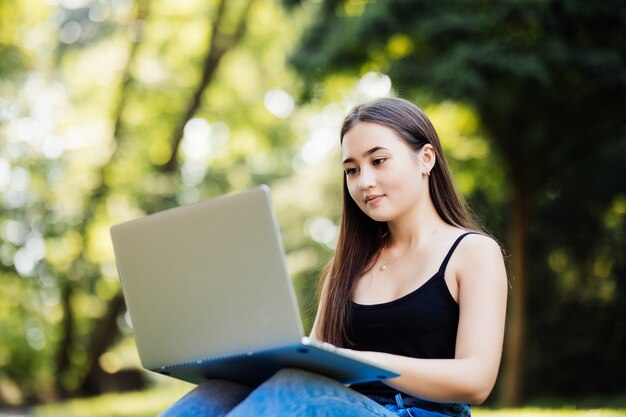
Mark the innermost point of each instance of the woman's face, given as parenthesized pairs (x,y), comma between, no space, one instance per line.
(383,174)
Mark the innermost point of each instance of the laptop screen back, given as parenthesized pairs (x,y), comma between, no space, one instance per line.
(206,280)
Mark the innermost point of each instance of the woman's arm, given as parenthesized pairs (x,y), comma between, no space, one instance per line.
(469,377)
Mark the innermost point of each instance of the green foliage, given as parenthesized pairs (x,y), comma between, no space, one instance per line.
(518,64)
(133,404)
(85,134)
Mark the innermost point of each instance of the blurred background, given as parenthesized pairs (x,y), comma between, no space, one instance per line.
(113,109)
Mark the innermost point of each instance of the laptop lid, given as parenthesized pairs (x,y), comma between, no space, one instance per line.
(206,280)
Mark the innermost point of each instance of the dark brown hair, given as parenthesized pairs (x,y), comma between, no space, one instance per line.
(360,237)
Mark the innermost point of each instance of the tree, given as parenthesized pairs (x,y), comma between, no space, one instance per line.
(106,330)
(140,106)
(545,78)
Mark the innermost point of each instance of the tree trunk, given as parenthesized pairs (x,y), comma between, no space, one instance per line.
(219,44)
(63,360)
(511,389)
(106,330)
(103,337)
(99,194)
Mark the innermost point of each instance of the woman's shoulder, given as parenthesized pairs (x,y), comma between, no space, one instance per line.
(469,240)
(478,255)
(477,240)
(477,247)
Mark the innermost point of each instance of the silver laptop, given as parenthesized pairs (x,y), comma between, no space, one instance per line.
(209,296)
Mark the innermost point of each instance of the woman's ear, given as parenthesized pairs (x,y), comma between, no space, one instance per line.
(427,158)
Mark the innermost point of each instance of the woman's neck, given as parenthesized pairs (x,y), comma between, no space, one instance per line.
(416,228)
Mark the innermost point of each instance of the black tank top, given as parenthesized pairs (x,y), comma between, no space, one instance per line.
(421,324)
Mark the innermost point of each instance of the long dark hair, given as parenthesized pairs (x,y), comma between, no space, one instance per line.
(360,237)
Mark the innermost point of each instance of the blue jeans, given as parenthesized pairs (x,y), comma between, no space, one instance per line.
(293,392)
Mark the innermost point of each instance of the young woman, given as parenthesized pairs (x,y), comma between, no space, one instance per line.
(414,285)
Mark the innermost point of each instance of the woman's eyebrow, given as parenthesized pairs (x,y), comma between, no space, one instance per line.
(366,153)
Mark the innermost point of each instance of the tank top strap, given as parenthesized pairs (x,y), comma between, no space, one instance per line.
(444,264)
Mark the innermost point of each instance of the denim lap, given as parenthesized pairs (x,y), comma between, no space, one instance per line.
(292,392)
(214,398)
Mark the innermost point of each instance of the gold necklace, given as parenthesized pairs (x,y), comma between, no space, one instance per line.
(383,265)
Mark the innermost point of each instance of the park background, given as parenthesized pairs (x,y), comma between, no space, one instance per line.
(113,109)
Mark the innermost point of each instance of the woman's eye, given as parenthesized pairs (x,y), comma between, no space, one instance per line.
(378,161)
(351,171)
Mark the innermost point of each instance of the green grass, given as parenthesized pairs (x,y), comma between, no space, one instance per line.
(147,403)
(553,412)
(151,402)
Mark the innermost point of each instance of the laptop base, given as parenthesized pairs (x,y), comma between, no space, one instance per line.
(254,368)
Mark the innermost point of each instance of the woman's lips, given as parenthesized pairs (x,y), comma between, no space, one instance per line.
(373,199)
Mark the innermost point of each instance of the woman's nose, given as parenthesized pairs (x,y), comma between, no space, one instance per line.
(367,179)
